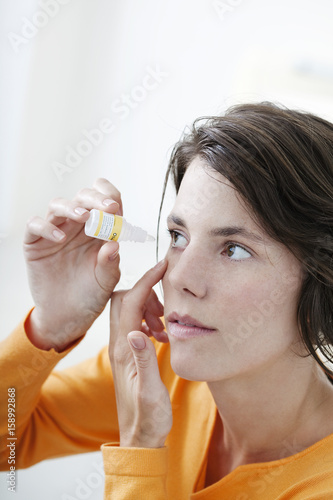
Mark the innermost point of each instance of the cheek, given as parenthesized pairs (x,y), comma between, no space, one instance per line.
(259,315)
(256,318)
(239,305)
(245,301)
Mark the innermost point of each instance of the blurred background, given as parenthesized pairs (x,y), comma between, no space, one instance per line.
(104,88)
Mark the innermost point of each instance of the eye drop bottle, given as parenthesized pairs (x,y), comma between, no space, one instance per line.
(113,227)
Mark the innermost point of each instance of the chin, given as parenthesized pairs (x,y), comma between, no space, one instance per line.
(192,369)
(195,363)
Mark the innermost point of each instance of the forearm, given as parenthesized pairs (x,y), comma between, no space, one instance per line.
(24,368)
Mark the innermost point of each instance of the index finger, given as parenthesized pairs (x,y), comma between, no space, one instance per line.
(105,187)
(133,303)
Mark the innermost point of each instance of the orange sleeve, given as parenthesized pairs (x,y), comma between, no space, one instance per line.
(56,413)
(135,473)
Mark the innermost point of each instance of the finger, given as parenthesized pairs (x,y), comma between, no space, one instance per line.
(160,336)
(61,209)
(145,360)
(37,228)
(91,198)
(152,397)
(134,301)
(155,327)
(115,309)
(145,329)
(153,321)
(154,305)
(107,270)
(105,187)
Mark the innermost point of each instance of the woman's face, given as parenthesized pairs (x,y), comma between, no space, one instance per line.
(230,291)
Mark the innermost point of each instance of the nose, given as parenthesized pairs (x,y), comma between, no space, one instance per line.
(187,273)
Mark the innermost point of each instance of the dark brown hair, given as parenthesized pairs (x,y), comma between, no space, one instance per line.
(281,163)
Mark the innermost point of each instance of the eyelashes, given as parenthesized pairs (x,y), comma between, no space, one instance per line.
(240,253)
(231,249)
(174,235)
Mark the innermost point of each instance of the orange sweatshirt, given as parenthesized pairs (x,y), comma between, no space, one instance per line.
(74,411)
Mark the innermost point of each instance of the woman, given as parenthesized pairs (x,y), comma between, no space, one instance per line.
(248,296)
(244,410)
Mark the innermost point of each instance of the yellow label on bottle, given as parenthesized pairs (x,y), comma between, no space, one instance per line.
(117,225)
(109,226)
(100,221)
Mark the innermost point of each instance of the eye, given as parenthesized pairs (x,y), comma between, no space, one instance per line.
(236,252)
(177,239)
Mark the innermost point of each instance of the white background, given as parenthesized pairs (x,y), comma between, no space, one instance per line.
(70,74)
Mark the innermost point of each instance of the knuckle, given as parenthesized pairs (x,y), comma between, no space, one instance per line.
(106,186)
(100,180)
(127,299)
(143,362)
(57,206)
(31,221)
(82,193)
(56,201)
(119,353)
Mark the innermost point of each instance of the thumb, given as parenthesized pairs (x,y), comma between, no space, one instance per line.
(107,268)
(145,359)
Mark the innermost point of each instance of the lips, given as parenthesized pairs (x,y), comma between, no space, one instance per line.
(186,326)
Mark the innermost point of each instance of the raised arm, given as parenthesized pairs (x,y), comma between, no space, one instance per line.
(71,276)
(138,467)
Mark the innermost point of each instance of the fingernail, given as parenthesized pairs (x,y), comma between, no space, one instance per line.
(107,202)
(137,342)
(80,211)
(58,235)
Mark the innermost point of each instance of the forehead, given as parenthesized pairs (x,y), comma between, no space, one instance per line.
(206,194)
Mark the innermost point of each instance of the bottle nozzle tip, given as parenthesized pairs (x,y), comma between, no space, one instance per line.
(150,238)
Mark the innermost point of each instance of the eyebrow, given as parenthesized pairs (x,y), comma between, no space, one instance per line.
(221,231)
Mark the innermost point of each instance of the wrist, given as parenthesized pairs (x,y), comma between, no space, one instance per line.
(141,442)
(41,337)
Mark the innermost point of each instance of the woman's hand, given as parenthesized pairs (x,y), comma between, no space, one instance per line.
(71,276)
(143,402)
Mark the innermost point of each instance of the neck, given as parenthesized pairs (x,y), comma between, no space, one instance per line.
(271,415)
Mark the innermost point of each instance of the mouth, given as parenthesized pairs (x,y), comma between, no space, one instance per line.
(187,327)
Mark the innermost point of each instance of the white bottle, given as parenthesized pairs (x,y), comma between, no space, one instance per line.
(113,227)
